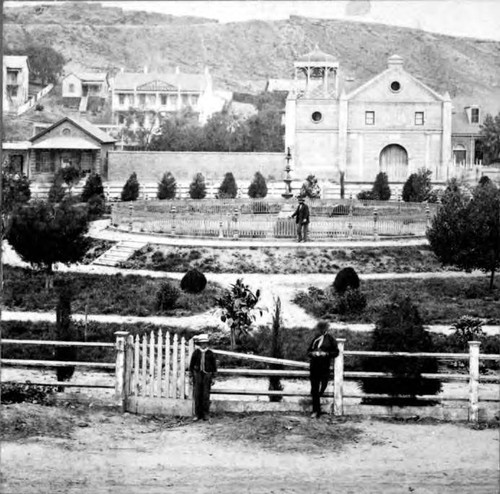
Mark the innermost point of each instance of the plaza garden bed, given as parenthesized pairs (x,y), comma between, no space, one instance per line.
(440,300)
(129,295)
(283,260)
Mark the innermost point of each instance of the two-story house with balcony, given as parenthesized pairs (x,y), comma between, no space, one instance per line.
(156,95)
(15,82)
(84,90)
(393,123)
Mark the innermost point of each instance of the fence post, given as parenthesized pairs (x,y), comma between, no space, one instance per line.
(349,225)
(375,219)
(235,220)
(427,215)
(338,382)
(474,381)
(399,203)
(120,369)
(113,214)
(173,220)
(129,359)
(130,214)
(221,233)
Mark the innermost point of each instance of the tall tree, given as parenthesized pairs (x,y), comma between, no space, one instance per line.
(465,231)
(490,136)
(46,64)
(44,234)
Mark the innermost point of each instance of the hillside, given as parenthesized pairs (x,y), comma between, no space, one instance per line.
(243,55)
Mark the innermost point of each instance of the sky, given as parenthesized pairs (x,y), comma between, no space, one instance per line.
(472,18)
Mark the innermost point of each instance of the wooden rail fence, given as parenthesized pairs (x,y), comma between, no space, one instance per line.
(154,366)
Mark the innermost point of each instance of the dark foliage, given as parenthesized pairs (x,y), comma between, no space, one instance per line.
(350,302)
(228,187)
(366,195)
(194,281)
(276,351)
(57,192)
(166,297)
(96,207)
(93,187)
(399,328)
(417,187)
(258,187)
(346,278)
(130,191)
(381,189)
(26,393)
(167,187)
(15,190)
(197,188)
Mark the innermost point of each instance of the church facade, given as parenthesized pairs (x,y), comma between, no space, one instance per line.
(393,123)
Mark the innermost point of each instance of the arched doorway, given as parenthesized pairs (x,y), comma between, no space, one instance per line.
(394,161)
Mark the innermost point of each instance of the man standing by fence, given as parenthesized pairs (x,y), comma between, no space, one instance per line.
(202,369)
(321,351)
(301,216)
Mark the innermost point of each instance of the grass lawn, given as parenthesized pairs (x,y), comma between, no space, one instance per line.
(441,300)
(282,260)
(103,294)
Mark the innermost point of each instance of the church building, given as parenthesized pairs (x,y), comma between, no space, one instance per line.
(393,123)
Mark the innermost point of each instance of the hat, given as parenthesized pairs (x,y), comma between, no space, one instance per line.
(201,338)
(301,198)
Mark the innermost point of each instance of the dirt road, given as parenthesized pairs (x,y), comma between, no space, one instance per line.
(106,452)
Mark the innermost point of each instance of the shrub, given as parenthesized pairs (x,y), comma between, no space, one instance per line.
(381,189)
(93,187)
(166,297)
(70,175)
(346,278)
(167,187)
(194,281)
(96,207)
(56,191)
(26,393)
(366,195)
(310,188)
(130,191)
(352,301)
(467,328)
(228,187)
(197,188)
(418,186)
(258,187)
(399,328)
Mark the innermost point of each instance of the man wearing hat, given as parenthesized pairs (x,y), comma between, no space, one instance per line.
(321,351)
(301,216)
(202,369)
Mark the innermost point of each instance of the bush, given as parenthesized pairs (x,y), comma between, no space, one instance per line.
(26,393)
(467,328)
(346,278)
(193,281)
(167,187)
(96,207)
(352,301)
(258,187)
(197,188)
(130,191)
(228,188)
(57,191)
(381,189)
(418,186)
(70,175)
(166,297)
(366,195)
(93,187)
(310,188)
(399,328)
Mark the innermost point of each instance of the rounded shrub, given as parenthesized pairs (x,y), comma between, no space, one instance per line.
(96,207)
(130,191)
(194,281)
(93,187)
(228,188)
(381,189)
(167,296)
(352,301)
(197,188)
(167,188)
(258,187)
(346,278)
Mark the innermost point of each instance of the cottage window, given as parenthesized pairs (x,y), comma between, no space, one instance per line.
(474,115)
(12,76)
(71,88)
(173,100)
(163,98)
(44,163)
(13,91)
(369,117)
(419,118)
(194,99)
(185,100)
(459,154)
(142,99)
(121,99)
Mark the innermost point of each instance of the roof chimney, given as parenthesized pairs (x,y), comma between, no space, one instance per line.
(395,61)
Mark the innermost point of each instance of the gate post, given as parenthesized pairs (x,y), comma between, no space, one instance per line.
(338,382)
(120,369)
(474,381)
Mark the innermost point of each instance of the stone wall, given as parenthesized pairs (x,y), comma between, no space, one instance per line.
(150,166)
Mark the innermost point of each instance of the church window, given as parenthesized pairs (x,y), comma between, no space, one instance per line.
(395,86)
(317,116)
(369,117)
(474,115)
(419,118)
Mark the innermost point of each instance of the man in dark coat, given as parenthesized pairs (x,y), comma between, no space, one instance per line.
(301,216)
(202,369)
(321,351)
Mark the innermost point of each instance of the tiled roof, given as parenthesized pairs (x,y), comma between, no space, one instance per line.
(316,56)
(65,142)
(187,82)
